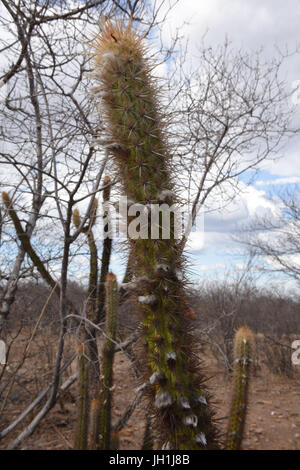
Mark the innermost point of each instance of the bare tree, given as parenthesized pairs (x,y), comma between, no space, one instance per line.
(275,236)
(232,112)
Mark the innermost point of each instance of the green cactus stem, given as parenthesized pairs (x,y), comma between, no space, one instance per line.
(92,291)
(114,440)
(92,288)
(106,251)
(111,287)
(81,437)
(178,397)
(243,346)
(89,333)
(93,213)
(94,429)
(76,218)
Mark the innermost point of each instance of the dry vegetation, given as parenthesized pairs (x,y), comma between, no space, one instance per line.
(273,420)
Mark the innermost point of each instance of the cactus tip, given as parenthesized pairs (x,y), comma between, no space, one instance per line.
(111,277)
(5,198)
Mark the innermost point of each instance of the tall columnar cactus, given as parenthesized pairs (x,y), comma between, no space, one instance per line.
(111,288)
(178,397)
(106,251)
(81,436)
(243,345)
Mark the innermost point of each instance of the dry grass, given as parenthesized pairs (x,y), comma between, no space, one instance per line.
(273,421)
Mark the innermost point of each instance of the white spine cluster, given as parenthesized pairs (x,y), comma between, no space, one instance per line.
(156,377)
(163,400)
(171,356)
(165,195)
(201,399)
(201,439)
(162,267)
(190,420)
(184,403)
(243,360)
(147,299)
(167,446)
(143,279)
(128,285)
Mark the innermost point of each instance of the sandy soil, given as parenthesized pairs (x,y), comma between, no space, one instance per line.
(273,420)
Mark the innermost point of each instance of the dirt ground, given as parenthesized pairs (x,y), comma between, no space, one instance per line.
(273,420)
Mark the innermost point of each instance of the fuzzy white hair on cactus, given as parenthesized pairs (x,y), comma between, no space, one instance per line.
(184,403)
(143,279)
(147,299)
(162,267)
(128,285)
(167,446)
(201,399)
(190,420)
(163,400)
(165,195)
(201,439)
(98,92)
(171,356)
(156,377)
(108,57)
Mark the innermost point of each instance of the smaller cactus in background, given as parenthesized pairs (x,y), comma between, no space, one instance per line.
(243,345)
(114,440)
(106,252)
(93,213)
(95,413)
(111,287)
(76,218)
(89,335)
(83,402)
(92,290)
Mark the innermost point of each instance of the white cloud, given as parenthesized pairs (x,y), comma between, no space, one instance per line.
(257,203)
(287,180)
(250,24)
(289,165)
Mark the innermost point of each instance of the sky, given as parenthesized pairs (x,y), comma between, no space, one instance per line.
(248,25)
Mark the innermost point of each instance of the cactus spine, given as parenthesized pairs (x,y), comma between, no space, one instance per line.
(183,418)
(83,402)
(243,345)
(111,287)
